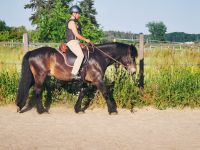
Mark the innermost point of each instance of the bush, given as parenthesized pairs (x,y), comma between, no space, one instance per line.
(8,86)
(125,91)
(174,87)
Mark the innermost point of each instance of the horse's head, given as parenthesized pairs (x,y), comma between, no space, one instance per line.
(129,59)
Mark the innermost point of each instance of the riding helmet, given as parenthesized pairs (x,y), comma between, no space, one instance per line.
(75,9)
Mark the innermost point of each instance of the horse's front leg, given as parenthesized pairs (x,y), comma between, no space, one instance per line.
(112,108)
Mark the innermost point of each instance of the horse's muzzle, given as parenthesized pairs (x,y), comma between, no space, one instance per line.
(132,69)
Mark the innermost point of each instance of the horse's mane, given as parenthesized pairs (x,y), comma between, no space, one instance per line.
(111,44)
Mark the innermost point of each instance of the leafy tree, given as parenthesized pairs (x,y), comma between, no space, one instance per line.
(88,11)
(50,18)
(4,35)
(157,30)
(182,37)
(90,30)
(54,24)
(16,33)
(111,35)
(3,26)
(4,31)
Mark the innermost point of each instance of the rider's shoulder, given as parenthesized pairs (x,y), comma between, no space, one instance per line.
(71,22)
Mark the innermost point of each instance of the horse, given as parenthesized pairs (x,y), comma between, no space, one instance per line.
(47,61)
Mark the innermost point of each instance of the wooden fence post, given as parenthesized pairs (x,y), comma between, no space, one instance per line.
(25,42)
(141,56)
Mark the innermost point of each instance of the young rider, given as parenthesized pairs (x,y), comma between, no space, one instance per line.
(73,32)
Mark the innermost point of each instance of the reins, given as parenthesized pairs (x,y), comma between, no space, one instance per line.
(93,46)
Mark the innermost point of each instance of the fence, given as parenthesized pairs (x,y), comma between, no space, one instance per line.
(163,45)
(142,44)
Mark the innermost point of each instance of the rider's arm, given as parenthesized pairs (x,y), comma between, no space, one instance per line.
(72,26)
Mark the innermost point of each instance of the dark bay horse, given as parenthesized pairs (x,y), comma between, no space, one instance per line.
(39,63)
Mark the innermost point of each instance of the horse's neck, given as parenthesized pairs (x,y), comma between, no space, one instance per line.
(110,53)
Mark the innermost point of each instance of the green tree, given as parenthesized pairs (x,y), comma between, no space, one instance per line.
(89,11)
(182,37)
(90,30)
(157,30)
(3,26)
(4,31)
(50,19)
(16,33)
(4,35)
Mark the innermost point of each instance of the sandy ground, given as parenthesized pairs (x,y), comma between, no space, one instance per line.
(62,129)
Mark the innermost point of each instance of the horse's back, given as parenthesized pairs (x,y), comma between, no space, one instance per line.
(42,51)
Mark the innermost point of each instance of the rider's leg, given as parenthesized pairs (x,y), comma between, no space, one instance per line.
(74,45)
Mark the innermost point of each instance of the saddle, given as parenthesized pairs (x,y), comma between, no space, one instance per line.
(70,57)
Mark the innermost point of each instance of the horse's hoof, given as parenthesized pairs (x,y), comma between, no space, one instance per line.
(43,111)
(18,109)
(80,111)
(113,113)
(133,111)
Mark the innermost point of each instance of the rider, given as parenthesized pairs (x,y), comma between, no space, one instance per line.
(73,32)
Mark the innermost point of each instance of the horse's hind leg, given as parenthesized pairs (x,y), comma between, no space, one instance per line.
(85,91)
(38,92)
(77,106)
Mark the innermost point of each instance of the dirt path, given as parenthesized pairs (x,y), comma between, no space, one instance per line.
(96,130)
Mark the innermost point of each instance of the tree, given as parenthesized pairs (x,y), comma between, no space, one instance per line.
(3,26)
(16,33)
(91,31)
(182,37)
(4,31)
(88,20)
(50,18)
(4,36)
(157,30)
(88,11)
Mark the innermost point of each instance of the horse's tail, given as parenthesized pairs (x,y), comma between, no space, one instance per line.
(25,82)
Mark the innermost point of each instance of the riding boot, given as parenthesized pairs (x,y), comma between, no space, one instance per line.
(76,77)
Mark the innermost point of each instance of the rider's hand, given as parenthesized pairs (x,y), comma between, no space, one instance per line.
(87,40)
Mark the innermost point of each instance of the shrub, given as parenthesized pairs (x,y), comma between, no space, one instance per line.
(8,86)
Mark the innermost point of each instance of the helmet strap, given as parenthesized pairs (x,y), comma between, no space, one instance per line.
(74,16)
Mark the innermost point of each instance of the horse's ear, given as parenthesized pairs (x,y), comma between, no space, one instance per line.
(134,44)
(133,49)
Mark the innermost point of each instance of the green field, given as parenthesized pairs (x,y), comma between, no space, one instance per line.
(172,79)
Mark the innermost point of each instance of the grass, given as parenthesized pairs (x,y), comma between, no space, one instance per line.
(172,79)
(10,57)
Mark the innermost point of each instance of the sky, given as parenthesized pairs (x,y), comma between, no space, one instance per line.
(123,15)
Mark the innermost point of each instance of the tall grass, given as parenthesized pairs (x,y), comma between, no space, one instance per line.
(172,79)
(8,86)
(174,87)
